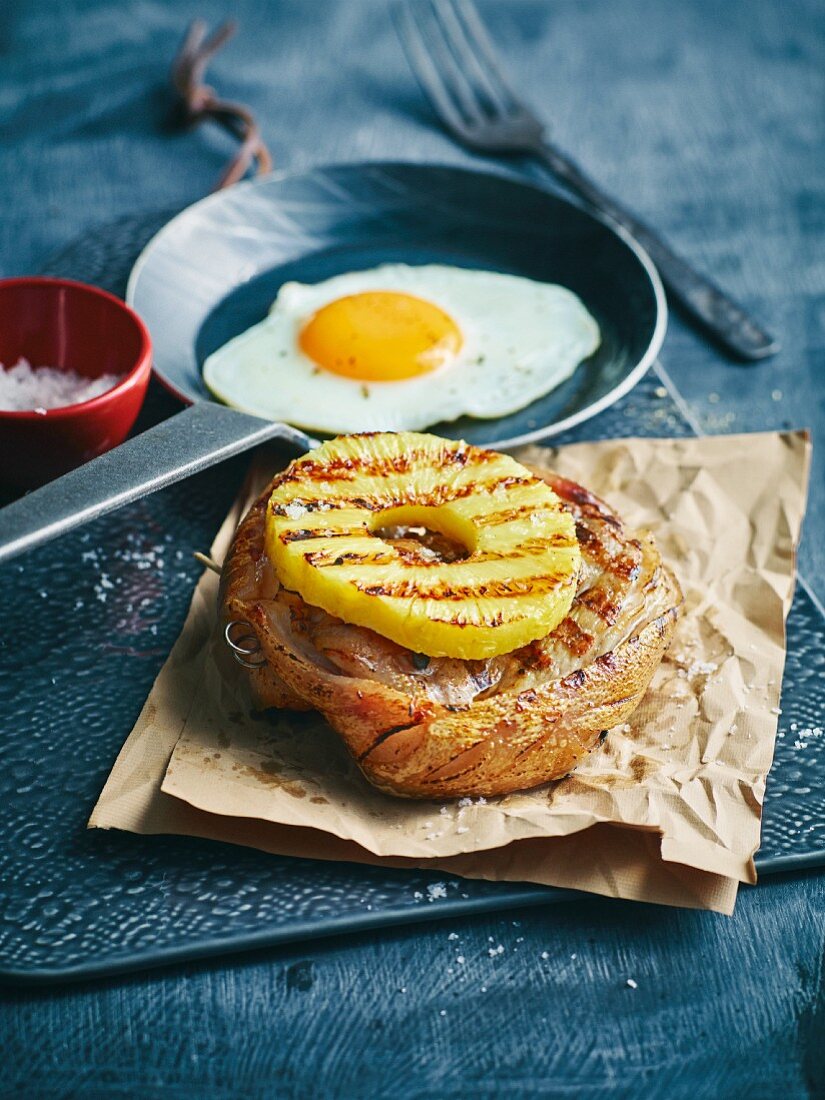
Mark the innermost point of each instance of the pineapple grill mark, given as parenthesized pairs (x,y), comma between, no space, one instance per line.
(323,560)
(492,621)
(499,590)
(303,534)
(308,506)
(353,469)
(528,548)
(443,495)
(494,519)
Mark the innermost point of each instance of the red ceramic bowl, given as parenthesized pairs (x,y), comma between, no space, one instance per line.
(71,326)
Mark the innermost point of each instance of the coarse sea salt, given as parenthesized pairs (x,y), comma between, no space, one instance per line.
(24,388)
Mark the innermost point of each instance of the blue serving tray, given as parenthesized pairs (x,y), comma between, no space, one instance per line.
(83,638)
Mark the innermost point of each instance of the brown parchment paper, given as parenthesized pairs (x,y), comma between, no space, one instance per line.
(667,809)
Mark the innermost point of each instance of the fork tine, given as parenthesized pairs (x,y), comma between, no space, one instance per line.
(451,62)
(484,52)
(481,73)
(426,70)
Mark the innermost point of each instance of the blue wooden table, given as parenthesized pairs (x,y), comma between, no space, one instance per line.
(709,119)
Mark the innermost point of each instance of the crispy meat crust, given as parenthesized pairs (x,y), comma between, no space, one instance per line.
(442,727)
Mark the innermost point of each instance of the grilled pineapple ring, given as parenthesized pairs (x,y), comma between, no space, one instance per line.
(325,536)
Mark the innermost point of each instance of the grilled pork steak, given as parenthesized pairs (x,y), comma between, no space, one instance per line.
(441,726)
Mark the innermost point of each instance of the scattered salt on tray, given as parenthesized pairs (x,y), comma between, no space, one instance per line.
(24,388)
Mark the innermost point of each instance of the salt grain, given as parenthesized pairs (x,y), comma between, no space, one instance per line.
(806,735)
(701,668)
(632,984)
(27,388)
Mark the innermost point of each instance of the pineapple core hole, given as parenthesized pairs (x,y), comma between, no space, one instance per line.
(424,534)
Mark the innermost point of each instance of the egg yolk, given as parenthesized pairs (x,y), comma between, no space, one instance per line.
(380,336)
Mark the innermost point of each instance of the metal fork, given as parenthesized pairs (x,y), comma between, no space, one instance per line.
(453,58)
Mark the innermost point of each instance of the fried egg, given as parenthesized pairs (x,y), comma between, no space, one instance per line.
(400,347)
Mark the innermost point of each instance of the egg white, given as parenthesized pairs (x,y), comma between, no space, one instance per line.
(521,339)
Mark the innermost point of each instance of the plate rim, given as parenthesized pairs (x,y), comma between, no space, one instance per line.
(491,172)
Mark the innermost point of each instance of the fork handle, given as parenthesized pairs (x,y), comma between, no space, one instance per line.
(702,299)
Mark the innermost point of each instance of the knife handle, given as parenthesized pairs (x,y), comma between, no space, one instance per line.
(202,435)
(714,310)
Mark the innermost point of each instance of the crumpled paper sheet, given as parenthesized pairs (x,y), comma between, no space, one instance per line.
(667,809)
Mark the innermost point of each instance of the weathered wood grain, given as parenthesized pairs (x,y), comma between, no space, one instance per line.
(723,1007)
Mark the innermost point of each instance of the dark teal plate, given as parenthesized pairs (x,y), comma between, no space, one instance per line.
(215,269)
(77,660)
